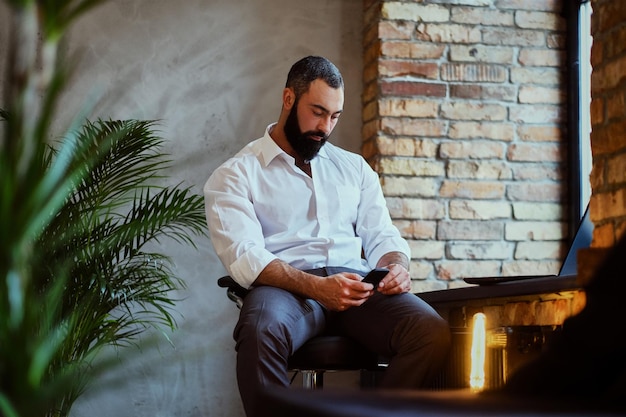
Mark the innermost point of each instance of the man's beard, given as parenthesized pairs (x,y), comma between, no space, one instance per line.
(302,143)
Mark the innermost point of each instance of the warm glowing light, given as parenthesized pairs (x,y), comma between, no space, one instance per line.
(477,372)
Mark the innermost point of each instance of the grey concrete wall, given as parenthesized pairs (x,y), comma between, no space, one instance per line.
(212,72)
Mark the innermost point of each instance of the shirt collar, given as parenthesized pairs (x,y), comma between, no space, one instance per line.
(270,150)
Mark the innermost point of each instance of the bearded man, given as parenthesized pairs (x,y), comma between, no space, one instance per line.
(299,222)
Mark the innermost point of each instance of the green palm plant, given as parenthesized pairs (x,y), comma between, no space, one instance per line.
(80,225)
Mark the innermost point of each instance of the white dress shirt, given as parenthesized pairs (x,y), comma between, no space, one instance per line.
(260,206)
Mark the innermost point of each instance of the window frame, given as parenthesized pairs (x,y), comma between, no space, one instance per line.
(577,14)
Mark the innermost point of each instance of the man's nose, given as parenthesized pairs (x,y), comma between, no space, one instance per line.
(325,125)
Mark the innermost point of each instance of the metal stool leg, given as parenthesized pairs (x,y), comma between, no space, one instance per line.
(312,379)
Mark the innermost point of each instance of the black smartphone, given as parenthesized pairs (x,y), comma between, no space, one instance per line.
(375,276)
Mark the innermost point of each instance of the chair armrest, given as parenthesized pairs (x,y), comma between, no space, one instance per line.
(235,292)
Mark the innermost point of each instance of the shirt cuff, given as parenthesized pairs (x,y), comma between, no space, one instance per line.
(390,245)
(248,266)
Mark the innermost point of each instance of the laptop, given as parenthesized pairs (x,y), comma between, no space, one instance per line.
(582,240)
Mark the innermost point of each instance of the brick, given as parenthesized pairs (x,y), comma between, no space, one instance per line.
(538,95)
(415,208)
(473,111)
(482,130)
(417,229)
(609,75)
(448,33)
(395,30)
(410,88)
(479,210)
(616,42)
(553,312)
(512,37)
(370,128)
(536,57)
(540,20)
(535,152)
(407,107)
(543,5)
(537,172)
(470,230)
(481,16)
(370,3)
(464,269)
(608,139)
(411,166)
(597,53)
(479,250)
(603,235)
(541,133)
(537,76)
(411,50)
(370,92)
(481,53)
(372,52)
(520,314)
(616,105)
(549,267)
(395,49)
(480,170)
(369,150)
(370,72)
(579,301)
(421,270)
(484,190)
(538,211)
(556,40)
(406,147)
(535,230)
(540,192)
(597,173)
(395,10)
(473,3)
(616,170)
(370,111)
(484,92)
(545,113)
(539,250)
(474,149)
(418,127)
(426,286)
(371,10)
(409,186)
(426,249)
(473,73)
(611,14)
(396,147)
(395,68)
(608,205)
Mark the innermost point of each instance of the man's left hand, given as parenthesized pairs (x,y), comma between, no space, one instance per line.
(397,281)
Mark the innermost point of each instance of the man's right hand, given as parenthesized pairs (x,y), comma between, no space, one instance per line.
(341,291)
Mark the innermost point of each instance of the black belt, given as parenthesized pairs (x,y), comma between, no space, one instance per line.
(330,270)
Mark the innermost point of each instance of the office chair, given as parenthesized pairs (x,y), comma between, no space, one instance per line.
(321,353)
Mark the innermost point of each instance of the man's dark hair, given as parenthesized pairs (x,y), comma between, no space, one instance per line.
(312,68)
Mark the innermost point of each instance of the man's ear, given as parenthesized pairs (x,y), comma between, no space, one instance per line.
(289,98)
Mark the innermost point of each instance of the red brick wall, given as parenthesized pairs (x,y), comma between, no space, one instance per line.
(608,119)
(464,113)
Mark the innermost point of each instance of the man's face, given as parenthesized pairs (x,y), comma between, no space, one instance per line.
(312,118)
